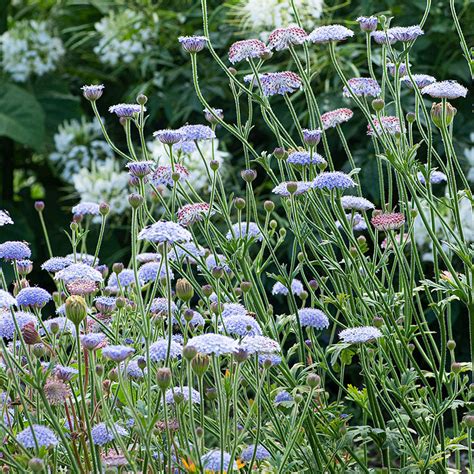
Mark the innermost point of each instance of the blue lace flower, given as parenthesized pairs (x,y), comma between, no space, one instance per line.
(165,231)
(182,392)
(328,33)
(360,335)
(193,44)
(215,344)
(103,434)
(33,296)
(304,158)
(261,453)
(14,250)
(445,90)
(7,323)
(241,326)
(86,209)
(78,271)
(216,461)
(314,318)
(54,264)
(44,436)
(159,350)
(117,353)
(362,87)
(333,180)
(125,110)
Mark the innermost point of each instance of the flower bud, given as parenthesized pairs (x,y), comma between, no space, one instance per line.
(189,352)
(163,378)
(313,284)
(248,175)
(265,55)
(207,290)
(184,290)
(437,114)
(30,334)
(292,187)
(73,226)
(313,380)
(303,295)
(54,327)
(232,70)
(199,432)
(378,104)
(142,99)
(135,200)
(199,364)
(214,165)
(239,203)
(411,117)
(104,208)
(269,206)
(469,421)
(39,206)
(456,367)
(213,115)
(99,370)
(113,375)
(117,267)
(211,393)
(217,272)
(377,321)
(141,362)
(298,398)
(246,286)
(38,350)
(36,464)
(76,309)
(241,355)
(273,224)
(451,345)
(280,153)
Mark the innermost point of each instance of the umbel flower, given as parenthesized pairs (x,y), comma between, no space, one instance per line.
(336,117)
(54,264)
(93,92)
(356,203)
(259,345)
(261,453)
(215,344)
(445,90)
(244,230)
(313,318)
(159,350)
(435,177)
(329,33)
(279,83)
(283,38)
(301,188)
(241,326)
(360,335)
(304,158)
(33,296)
(14,250)
(56,391)
(163,175)
(103,434)
(78,271)
(7,323)
(333,180)
(405,33)
(362,87)
(124,279)
(280,289)
(246,49)
(44,436)
(191,213)
(152,270)
(388,221)
(217,461)
(169,137)
(182,392)
(6,300)
(193,44)
(86,208)
(197,132)
(126,110)
(117,353)
(382,37)
(165,231)
(390,125)
(312,137)
(421,80)
(367,23)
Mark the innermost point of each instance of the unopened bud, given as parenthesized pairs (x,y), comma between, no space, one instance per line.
(411,117)
(135,200)
(199,364)
(30,334)
(39,206)
(246,286)
(104,208)
(378,104)
(163,378)
(76,309)
(239,203)
(214,165)
(451,345)
(184,289)
(280,153)
(313,380)
(437,114)
(377,321)
(142,99)
(248,175)
(269,206)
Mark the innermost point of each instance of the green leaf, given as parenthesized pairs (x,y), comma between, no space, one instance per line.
(21,116)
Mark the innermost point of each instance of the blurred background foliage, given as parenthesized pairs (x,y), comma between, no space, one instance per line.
(131,47)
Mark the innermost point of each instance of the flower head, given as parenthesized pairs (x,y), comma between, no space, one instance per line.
(261,453)
(159,350)
(40,434)
(421,80)
(279,83)
(244,230)
(93,92)
(125,110)
(163,175)
(246,49)
(313,318)
(93,340)
(191,213)
(14,250)
(280,289)
(301,188)
(312,137)
(367,23)
(304,158)
(328,33)
(436,177)
(333,180)
(187,251)
(161,306)
(283,38)
(336,117)
(445,90)
(388,221)
(86,209)
(54,264)
(390,125)
(122,280)
(259,345)
(213,344)
(78,271)
(182,392)
(196,320)
(64,373)
(59,325)
(33,296)
(193,44)
(139,169)
(283,397)
(105,304)
(7,323)
(133,370)
(165,231)
(6,300)
(360,335)
(233,309)
(117,353)
(392,68)
(56,391)
(356,203)
(5,218)
(382,37)
(405,33)
(217,461)
(152,270)
(197,132)
(356,221)
(241,326)
(168,137)
(362,87)
(103,434)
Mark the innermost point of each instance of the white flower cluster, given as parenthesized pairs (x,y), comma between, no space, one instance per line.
(28,49)
(124,37)
(266,15)
(193,161)
(104,182)
(78,145)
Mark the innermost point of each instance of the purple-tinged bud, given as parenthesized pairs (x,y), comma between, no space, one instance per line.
(367,24)
(238,291)
(456,367)
(246,286)
(207,290)
(120,302)
(189,352)
(39,350)
(135,200)
(25,267)
(312,137)
(214,165)
(163,378)
(30,334)
(39,206)
(200,364)
(469,421)
(313,284)
(117,267)
(313,380)
(54,327)
(241,355)
(36,464)
(377,322)
(437,114)
(99,370)
(217,272)
(141,363)
(77,219)
(113,375)
(280,153)
(214,115)
(104,208)
(248,175)
(92,92)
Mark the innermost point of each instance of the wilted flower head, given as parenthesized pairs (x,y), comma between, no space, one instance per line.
(304,158)
(159,350)
(125,110)
(244,230)
(82,287)
(56,391)
(216,344)
(165,231)
(5,218)
(280,289)
(54,264)
(261,453)
(259,345)
(333,180)
(6,300)
(168,137)
(356,203)
(78,271)
(360,335)
(421,80)
(193,44)
(197,132)
(283,38)
(314,318)
(367,23)
(279,83)
(390,125)
(7,323)
(328,33)
(42,434)
(336,117)
(33,296)
(246,49)
(217,461)
(182,392)
(382,37)
(163,175)
(362,87)
(102,434)
(388,221)
(14,250)
(93,92)
(86,209)
(301,188)
(117,353)
(241,326)
(191,213)
(435,177)
(405,33)
(445,90)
